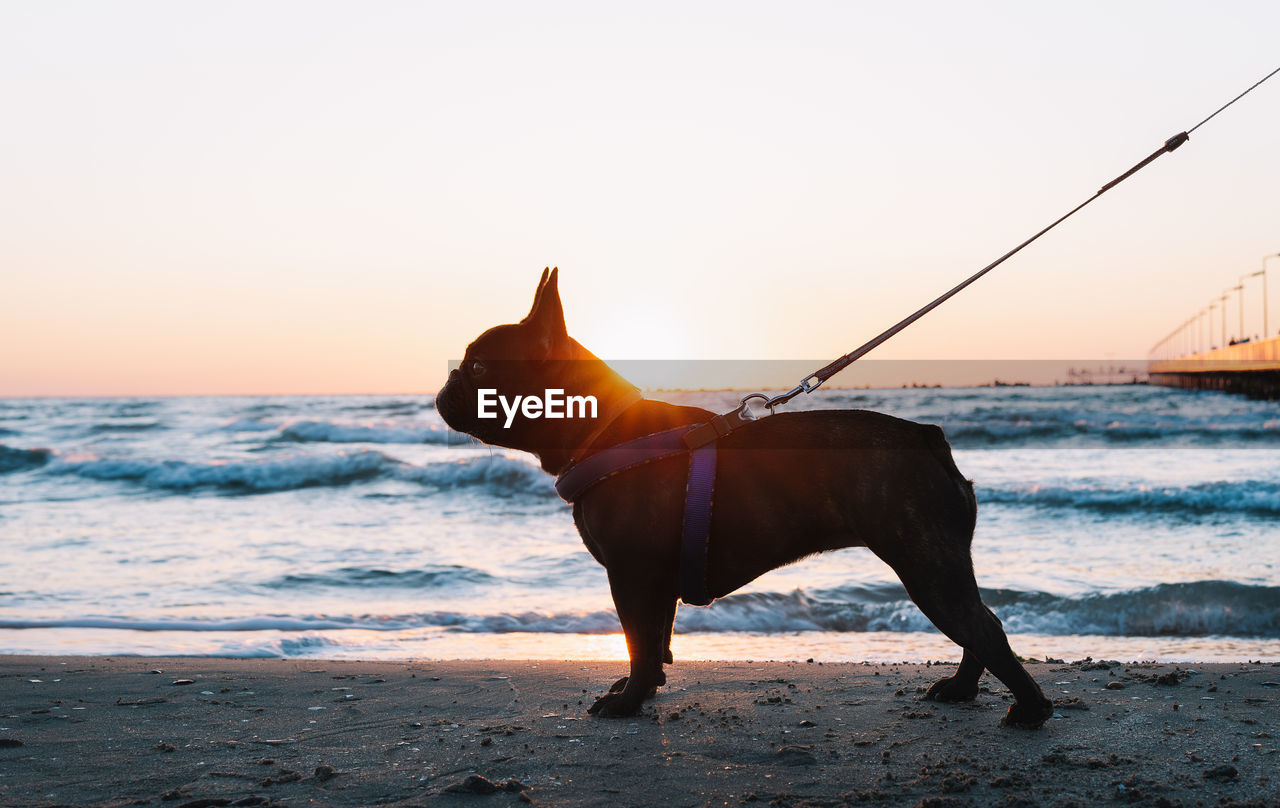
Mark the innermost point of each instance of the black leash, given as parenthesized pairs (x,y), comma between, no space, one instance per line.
(814,380)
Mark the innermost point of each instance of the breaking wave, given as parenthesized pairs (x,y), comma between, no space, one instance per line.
(332,432)
(245,477)
(22,459)
(251,425)
(1250,497)
(350,432)
(968,435)
(434,576)
(1195,609)
(126,426)
(498,474)
(394,405)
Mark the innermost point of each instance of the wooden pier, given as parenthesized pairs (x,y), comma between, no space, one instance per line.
(1250,368)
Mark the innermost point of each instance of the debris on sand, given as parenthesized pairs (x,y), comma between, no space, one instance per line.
(1070,703)
(285,776)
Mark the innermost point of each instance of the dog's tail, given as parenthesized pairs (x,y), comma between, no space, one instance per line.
(941,449)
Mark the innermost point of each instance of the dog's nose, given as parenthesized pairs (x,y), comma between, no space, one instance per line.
(454,374)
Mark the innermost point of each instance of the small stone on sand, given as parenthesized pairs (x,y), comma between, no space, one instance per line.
(1221,773)
(473,784)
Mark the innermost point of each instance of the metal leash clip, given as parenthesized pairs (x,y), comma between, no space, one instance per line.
(744,409)
(782,398)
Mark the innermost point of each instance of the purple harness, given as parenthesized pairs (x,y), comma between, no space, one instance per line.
(699,440)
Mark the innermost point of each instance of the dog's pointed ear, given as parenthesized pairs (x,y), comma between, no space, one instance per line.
(547,315)
(537,295)
(550,310)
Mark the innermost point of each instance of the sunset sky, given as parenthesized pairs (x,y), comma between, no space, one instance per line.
(279,197)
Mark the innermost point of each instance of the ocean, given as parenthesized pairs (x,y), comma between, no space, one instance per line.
(1118,522)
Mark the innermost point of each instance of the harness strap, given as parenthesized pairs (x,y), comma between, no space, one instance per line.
(697,526)
(716,427)
(608,462)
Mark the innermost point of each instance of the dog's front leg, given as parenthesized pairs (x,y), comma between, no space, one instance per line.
(668,621)
(646,616)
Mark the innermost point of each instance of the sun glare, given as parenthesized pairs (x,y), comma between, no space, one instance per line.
(635,332)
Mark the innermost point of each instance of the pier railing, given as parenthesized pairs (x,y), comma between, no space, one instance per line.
(1241,357)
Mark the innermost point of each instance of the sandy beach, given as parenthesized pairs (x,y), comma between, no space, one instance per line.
(211,732)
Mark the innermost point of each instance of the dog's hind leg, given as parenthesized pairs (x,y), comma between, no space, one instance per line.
(945,590)
(1031,708)
(646,617)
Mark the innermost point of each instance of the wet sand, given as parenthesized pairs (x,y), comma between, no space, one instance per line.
(199,732)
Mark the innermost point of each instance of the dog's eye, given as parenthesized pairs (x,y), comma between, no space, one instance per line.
(477,369)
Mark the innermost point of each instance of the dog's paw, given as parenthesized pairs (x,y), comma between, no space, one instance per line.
(1028,716)
(949,690)
(621,684)
(615,705)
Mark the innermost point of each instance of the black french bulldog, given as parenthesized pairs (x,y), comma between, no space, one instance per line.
(787,486)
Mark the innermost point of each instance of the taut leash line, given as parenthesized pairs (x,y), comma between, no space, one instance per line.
(814,380)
